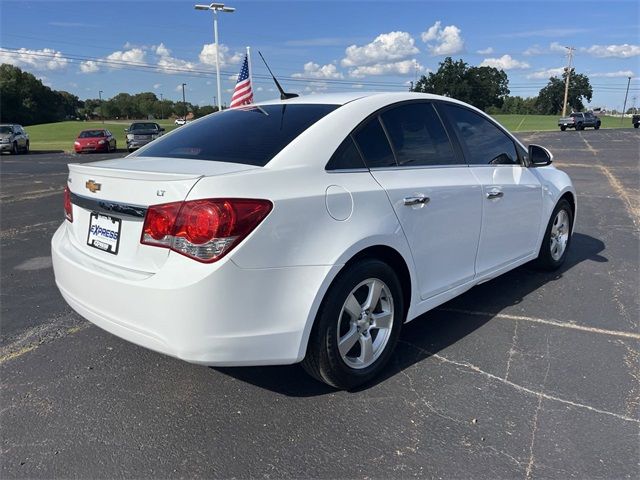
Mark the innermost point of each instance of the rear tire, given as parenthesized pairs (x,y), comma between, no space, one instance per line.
(557,237)
(579,127)
(363,312)
(636,125)
(563,128)
(597,127)
(26,148)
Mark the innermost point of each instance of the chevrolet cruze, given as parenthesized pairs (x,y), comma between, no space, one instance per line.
(305,230)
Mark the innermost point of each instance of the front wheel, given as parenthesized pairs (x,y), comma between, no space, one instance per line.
(579,126)
(563,128)
(14,149)
(26,148)
(557,237)
(357,326)
(597,127)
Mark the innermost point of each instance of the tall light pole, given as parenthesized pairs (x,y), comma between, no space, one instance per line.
(624,108)
(215,8)
(184,103)
(566,81)
(161,108)
(101,111)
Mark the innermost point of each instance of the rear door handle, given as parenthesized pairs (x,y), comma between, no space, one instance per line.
(417,200)
(495,193)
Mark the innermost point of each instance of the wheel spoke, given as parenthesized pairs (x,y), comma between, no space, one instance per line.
(382,320)
(366,349)
(375,289)
(346,343)
(352,307)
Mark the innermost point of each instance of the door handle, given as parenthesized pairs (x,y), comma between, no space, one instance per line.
(418,200)
(495,193)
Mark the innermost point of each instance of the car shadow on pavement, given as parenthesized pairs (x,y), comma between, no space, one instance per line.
(435,330)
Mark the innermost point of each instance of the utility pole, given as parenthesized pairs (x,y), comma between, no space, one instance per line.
(161,108)
(101,111)
(184,104)
(624,107)
(570,51)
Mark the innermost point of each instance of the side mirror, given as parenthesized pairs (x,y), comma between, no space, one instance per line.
(161,129)
(539,156)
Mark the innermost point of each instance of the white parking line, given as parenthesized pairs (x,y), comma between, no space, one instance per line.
(544,321)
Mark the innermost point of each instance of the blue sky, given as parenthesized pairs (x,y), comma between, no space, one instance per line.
(134,46)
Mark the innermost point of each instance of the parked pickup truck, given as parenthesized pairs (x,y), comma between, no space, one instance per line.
(579,121)
(635,120)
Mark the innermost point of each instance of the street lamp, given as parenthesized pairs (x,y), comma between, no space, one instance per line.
(161,108)
(101,111)
(184,104)
(215,8)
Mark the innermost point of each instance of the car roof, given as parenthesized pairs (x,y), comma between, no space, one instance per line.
(342,98)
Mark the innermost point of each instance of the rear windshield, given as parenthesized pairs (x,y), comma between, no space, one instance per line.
(143,126)
(92,133)
(249,135)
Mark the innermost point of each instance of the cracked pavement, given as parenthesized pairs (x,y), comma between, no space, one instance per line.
(531,375)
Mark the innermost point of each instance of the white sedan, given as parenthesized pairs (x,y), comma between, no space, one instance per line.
(306,230)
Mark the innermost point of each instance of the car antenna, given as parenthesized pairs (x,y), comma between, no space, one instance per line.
(283,95)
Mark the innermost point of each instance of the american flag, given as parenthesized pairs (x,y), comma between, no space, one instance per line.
(242,95)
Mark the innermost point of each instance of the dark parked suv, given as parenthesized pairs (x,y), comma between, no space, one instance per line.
(141,133)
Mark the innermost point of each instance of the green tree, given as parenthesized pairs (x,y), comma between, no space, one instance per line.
(551,97)
(482,87)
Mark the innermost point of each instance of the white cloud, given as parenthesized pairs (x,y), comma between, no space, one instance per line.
(208,55)
(314,70)
(505,62)
(45,59)
(179,88)
(171,64)
(156,86)
(387,47)
(135,55)
(162,51)
(398,68)
(486,51)
(546,73)
(259,89)
(619,51)
(357,85)
(89,67)
(447,40)
(618,74)
(555,47)
(533,50)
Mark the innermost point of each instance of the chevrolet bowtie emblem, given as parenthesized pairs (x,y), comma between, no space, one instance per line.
(92,186)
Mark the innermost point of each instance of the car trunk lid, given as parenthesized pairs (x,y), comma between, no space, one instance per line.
(110,200)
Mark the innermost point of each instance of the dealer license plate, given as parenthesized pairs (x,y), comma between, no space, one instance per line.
(104,232)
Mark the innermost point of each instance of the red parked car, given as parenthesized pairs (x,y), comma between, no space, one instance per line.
(95,141)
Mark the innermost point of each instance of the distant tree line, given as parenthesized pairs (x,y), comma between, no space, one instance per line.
(25,100)
(487,88)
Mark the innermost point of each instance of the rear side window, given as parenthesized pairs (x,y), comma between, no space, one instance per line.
(418,136)
(250,135)
(374,145)
(486,144)
(346,157)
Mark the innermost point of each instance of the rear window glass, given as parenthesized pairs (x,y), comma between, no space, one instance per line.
(92,133)
(250,135)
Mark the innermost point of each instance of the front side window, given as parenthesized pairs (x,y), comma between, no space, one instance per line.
(486,143)
(252,135)
(374,145)
(418,136)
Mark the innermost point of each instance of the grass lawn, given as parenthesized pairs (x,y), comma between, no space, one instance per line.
(60,135)
(528,123)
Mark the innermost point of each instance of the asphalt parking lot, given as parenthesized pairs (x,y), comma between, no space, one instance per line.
(529,375)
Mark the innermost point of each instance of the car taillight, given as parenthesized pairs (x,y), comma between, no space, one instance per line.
(205,230)
(68,209)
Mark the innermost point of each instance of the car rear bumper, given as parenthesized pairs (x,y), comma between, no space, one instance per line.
(219,315)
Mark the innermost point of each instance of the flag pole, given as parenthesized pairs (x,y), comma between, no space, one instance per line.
(250,69)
